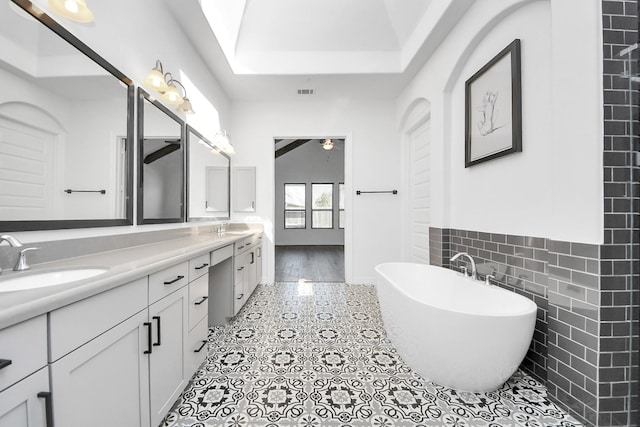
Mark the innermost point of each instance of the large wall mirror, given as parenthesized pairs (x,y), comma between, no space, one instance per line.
(209,178)
(161,163)
(66,157)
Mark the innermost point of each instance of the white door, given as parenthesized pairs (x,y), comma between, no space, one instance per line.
(419,162)
(167,377)
(105,382)
(20,405)
(28,181)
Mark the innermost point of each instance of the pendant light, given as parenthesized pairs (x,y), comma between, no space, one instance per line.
(75,10)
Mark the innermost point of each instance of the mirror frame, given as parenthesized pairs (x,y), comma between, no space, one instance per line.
(190,129)
(55,224)
(142,96)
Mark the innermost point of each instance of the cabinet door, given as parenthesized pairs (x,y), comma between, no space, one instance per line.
(20,405)
(239,280)
(252,271)
(105,382)
(167,376)
(244,195)
(259,265)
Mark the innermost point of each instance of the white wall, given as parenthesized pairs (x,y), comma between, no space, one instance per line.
(371,163)
(309,164)
(554,187)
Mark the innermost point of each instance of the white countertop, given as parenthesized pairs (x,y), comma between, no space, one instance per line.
(124,266)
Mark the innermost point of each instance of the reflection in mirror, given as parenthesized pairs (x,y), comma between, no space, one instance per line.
(209,173)
(160,164)
(65,158)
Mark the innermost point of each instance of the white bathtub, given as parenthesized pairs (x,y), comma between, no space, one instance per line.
(453,330)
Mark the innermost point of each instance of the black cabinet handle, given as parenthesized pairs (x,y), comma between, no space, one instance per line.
(149,349)
(4,363)
(202,266)
(157,318)
(240,297)
(48,407)
(174,280)
(240,247)
(202,300)
(253,257)
(204,342)
(241,268)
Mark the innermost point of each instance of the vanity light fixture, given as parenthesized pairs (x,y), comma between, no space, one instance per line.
(328,144)
(171,95)
(166,85)
(155,78)
(75,10)
(186,107)
(222,140)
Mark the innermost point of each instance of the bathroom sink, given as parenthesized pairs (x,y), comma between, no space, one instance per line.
(19,282)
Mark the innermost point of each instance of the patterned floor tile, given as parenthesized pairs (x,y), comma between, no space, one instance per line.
(317,355)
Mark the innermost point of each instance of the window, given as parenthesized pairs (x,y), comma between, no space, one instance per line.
(321,205)
(294,206)
(341,205)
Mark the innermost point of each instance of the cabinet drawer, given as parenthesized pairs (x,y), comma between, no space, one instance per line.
(198,300)
(198,266)
(221,254)
(256,239)
(244,244)
(78,323)
(196,347)
(167,281)
(23,350)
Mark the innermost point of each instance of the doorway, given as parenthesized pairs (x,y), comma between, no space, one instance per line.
(309,227)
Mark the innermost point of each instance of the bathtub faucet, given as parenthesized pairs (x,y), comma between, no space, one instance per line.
(474,273)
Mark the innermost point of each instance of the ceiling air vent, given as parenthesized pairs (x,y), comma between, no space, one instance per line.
(305,91)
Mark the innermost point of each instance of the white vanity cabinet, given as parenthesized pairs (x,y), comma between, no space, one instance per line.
(98,360)
(24,378)
(246,260)
(195,349)
(167,375)
(121,357)
(106,381)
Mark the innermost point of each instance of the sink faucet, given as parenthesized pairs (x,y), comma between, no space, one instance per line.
(13,242)
(22,263)
(474,273)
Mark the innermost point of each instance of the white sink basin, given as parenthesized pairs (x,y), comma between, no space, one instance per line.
(19,282)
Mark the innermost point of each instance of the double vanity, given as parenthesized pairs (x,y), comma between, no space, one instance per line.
(118,348)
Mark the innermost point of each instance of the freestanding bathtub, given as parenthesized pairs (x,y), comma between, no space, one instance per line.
(453,330)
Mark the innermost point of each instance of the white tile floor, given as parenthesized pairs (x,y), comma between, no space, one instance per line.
(317,355)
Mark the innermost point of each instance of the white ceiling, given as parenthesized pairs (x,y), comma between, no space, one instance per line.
(267,49)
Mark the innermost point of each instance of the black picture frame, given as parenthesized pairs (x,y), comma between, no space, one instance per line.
(493,119)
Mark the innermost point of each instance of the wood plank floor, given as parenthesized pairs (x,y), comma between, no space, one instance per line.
(314,263)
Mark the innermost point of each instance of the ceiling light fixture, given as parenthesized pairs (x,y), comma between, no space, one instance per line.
(222,140)
(328,144)
(166,85)
(75,10)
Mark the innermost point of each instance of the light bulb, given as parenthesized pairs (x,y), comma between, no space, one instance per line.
(71,6)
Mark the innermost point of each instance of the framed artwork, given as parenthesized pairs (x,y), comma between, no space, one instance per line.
(493,108)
